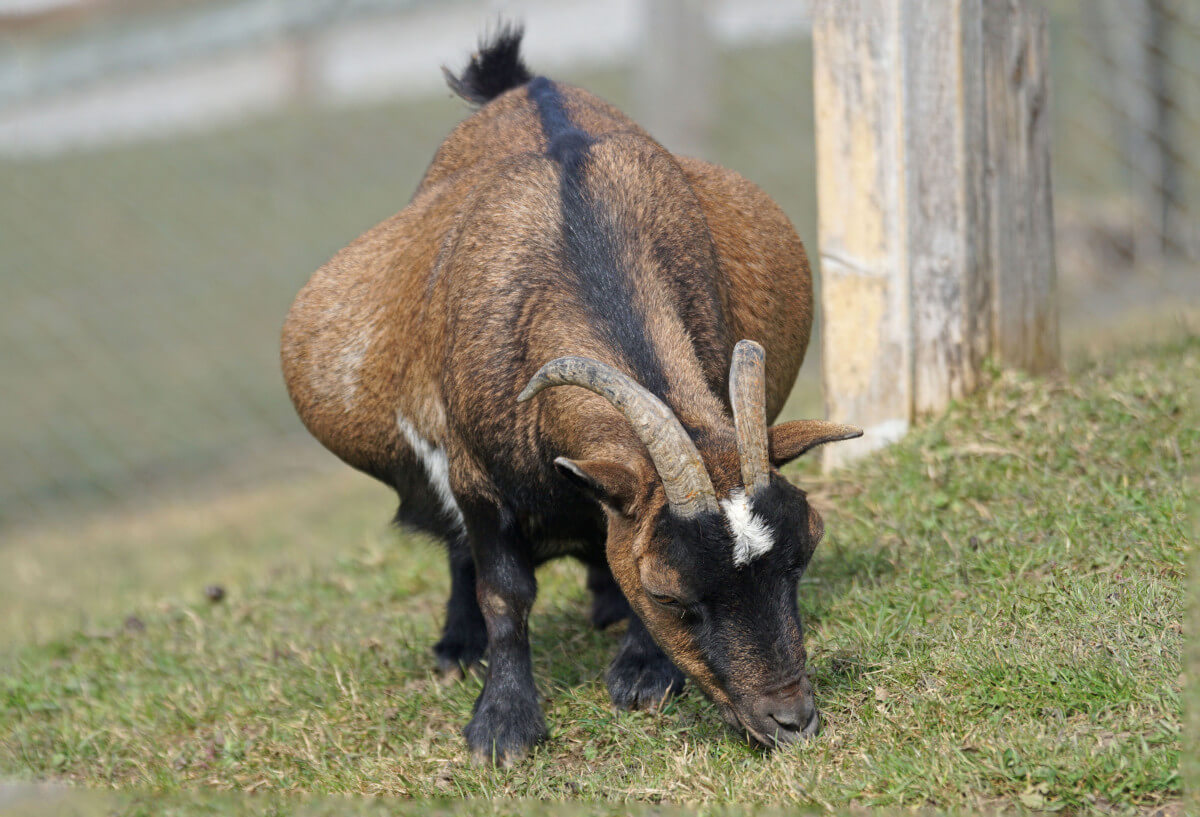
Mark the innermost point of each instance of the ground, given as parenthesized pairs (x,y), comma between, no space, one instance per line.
(995,621)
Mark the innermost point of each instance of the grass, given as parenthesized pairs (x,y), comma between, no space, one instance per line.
(995,621)
(85,574)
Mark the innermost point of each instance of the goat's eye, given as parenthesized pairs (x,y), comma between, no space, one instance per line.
(664,600)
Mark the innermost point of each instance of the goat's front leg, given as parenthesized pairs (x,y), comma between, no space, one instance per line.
(508,717)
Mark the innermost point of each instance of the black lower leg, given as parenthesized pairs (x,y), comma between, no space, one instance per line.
(608,602)
(508,717)
(464,637)
(641,676)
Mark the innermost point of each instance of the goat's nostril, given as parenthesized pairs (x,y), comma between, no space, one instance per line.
(788,720)
(793,715)
(813,726)
(785,719)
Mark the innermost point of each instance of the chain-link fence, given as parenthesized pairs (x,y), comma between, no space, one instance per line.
(1126,79)
(172,173)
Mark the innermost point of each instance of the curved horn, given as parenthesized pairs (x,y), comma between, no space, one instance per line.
(687,485)
(748,396)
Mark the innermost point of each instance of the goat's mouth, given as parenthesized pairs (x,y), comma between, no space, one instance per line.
(773,735)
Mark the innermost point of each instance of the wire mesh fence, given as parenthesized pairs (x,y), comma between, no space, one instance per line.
(146,270)
(1127,75)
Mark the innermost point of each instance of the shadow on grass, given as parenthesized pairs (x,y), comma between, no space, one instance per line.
(567,650)
(829,578)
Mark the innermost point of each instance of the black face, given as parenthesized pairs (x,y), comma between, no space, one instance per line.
(725,608)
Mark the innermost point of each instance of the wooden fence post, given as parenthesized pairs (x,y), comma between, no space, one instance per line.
(934,204)
(1017,189)
(860,221)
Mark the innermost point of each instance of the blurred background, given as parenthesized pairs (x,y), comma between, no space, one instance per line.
(172,171)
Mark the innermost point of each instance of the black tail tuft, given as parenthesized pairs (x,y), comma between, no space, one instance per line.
(495,68)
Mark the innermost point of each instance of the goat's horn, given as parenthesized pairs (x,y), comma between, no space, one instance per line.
(748,396)
(685,480)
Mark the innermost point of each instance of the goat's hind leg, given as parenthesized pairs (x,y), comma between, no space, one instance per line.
(641,676)
(608,601)
(464,636)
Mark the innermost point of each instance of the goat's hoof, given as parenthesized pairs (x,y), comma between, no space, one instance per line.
(637,680)
(452,671)
(503,732)
(457,658)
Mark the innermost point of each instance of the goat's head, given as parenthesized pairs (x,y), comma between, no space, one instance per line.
(714,578)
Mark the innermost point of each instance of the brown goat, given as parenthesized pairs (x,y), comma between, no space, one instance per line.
(552,242)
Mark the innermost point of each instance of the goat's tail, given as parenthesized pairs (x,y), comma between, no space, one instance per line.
(495,68)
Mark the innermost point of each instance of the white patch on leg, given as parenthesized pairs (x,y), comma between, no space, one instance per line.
(437,468)
(751,536)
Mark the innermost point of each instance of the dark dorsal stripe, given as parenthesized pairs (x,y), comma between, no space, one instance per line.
(591,248)
(563,140)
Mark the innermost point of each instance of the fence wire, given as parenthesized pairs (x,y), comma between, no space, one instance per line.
(146,273)
(1127,79)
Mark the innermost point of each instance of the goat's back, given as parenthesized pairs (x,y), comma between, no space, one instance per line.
(437,299)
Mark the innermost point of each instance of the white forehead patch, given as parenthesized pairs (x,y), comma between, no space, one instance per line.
(751,536)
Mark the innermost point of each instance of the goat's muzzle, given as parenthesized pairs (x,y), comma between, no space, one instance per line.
(779,717)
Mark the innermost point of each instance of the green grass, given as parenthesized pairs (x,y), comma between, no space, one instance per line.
(994,621)
(82,575)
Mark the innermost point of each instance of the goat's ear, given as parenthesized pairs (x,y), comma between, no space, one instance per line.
(612,483)
(790,440)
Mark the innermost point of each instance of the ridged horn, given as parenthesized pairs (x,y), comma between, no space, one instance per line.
(685,480)
(748,397)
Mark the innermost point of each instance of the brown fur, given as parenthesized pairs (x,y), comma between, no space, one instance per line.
(366,338)
(443,312)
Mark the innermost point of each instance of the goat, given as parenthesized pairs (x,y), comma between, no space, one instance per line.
(552,243)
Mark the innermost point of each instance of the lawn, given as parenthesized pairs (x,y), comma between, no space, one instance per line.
(995,620)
